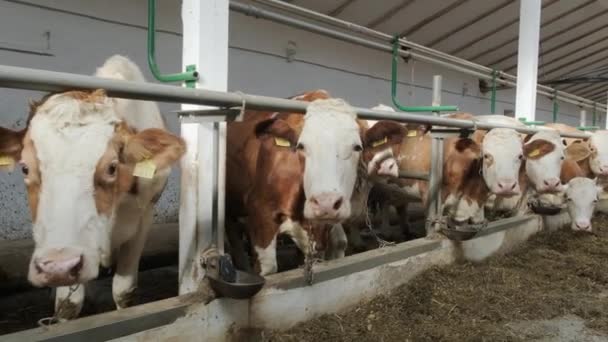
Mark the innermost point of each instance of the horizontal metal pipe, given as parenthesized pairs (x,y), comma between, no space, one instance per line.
(418,52)
(414,175)
(43,80)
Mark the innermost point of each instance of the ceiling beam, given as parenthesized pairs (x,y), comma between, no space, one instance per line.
(430,19)
(336,11)
(391,12)
(469,23)
(562,45)
(543,25)
(492,32)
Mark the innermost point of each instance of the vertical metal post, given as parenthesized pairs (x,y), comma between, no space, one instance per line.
(201,215)
(583,117)
(527,59)
(434,210)
(606,118)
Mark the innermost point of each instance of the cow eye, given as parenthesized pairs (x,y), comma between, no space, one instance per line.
(112,168)
(358,148)
(25,169)
(300,146)
(520,157)
(562,158)
(568,199)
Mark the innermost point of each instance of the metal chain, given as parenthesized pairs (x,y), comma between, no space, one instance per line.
(368,222)
(48,321)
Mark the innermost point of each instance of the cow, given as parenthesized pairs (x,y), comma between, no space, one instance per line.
(93,168)
(581,196)
(294,174)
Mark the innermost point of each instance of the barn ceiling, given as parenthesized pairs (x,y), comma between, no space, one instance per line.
(573,45)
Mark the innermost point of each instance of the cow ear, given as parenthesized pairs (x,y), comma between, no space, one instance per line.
(578,151)
(283,134)
(383,133)
(11,144)
(538,148)
(158,145)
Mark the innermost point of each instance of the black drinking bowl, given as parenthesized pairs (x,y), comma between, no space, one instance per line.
(245,286)
(462,231)
(544,210)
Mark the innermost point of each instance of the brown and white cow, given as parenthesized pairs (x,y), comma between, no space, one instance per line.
(295,175)
(78,157)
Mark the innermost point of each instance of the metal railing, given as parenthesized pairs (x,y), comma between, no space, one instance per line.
(44,80)
(382,41)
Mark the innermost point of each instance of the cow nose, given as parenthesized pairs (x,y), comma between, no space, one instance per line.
(388,168)
(326,205)
(59,271)
(604,169)
(552,183)
(507,186)
(583,225)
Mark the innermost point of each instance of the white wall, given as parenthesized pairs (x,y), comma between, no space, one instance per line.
(84,33)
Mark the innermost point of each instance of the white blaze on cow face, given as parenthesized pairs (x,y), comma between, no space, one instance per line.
(331,145)
(502,158)
(544,154)
(599,156)
(581,197)
(72,238)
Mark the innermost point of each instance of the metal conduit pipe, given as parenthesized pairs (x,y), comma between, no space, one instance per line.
(450,62)
(43,80)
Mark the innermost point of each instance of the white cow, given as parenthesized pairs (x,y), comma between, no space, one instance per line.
(581,195)
(93,168)
(330,143)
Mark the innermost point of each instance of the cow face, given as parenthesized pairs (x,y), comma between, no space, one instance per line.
(544,154)
(330,143)
(502,157)
(381,145)
(78,160)
(581,197)
(281,166)
(598,144)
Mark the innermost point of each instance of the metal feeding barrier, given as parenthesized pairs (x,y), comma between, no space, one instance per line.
(231,104)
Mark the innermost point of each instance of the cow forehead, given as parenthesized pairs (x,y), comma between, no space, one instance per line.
(330,118)
(580,187)
(71,134)
(500,139)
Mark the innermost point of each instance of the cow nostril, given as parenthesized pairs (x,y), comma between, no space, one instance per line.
(513,186)
(338,203)
(314,201)
(500,185)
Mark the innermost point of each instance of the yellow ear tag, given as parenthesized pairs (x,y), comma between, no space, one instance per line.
(282,142)
(145,169)
(412,133)
(534,153)
(7,162)
(379,142)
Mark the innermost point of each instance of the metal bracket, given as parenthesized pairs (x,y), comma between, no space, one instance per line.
(208,115)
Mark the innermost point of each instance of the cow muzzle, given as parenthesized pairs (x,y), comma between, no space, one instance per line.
(551,185)
(56,267)
(383,164)
(582,226)
(507,188)
(327,206)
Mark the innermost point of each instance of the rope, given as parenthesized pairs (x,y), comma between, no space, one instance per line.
(48,321)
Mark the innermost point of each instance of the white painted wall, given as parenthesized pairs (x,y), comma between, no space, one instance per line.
(84,33)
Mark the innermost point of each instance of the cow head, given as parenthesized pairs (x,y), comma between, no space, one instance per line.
(78,160)
(381,146)
(281,166)
(581,197)
(598,144)
(330,143)
(544,154)
(502,157)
